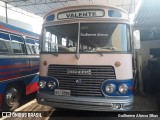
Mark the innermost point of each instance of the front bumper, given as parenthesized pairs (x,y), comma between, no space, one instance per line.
(85,103)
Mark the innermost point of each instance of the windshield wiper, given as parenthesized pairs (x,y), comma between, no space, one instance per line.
(100,53)
(110,48)
(55,54)
(77,55)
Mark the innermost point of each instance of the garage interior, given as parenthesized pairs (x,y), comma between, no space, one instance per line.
(146,20)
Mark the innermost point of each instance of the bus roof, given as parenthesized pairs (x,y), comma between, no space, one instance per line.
(85,12)
(17,30)
(84,6)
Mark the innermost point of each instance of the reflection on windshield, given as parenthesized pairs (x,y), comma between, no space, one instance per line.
(94,37)
(102,37)
(61,38)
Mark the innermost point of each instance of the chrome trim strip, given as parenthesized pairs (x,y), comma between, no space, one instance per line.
(18,56)
(19,77)
(85,103)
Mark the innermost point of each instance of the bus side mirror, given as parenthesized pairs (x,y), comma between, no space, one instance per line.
(136,38)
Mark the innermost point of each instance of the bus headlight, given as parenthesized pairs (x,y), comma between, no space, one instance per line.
(123,88)
(110,88)
(42,84)
(51,84)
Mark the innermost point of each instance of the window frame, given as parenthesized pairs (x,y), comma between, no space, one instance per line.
(128,35)
(22,44)
(10,50)
(31,46)
(44,41)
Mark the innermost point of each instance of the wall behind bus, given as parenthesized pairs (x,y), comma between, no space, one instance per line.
(145,50)
(17,23)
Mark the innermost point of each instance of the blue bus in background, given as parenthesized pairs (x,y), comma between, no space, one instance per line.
(19,65)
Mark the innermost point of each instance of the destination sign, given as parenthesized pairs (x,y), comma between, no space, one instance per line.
(81,14)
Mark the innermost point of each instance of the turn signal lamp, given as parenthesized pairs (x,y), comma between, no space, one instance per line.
(42,84)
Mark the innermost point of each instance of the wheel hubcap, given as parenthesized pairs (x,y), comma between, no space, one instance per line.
(12,97)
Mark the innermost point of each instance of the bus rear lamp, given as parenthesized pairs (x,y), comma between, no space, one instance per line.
(51,85)
(123,88)
(117,64)
(110,88)
(42,84)
(45,62)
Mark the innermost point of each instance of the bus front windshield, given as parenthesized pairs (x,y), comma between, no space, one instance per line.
(91,38)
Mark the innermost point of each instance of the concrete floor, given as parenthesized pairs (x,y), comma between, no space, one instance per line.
(144,103)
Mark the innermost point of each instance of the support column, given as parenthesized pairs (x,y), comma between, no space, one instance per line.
(6,8)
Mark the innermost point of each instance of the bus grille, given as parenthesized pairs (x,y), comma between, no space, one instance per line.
(80,79)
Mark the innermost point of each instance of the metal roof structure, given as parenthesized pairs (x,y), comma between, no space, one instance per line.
(147,19)
(41,7)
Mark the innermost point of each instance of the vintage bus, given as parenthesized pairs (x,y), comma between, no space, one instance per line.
(19,65)
(86,59)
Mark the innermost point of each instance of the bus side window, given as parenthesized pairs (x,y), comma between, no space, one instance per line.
(5,43)
(17,47)
(37,46)
(3,47)
(28,49)
(35,49)
(31,45)
(32,50)
(17,44)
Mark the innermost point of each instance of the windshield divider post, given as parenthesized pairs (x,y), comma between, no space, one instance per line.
(78,54)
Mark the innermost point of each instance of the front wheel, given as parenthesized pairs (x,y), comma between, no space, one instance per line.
(12,98)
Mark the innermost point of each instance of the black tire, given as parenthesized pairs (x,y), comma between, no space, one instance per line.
(158,102)
(12,98)
(59,109)
(62,109)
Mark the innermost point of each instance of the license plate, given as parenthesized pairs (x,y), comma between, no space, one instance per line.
(62,92)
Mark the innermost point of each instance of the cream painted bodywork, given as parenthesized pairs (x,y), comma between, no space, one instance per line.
(123,72)
(83,7)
